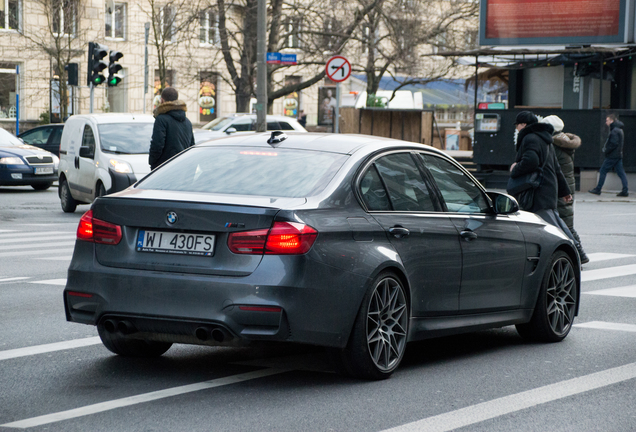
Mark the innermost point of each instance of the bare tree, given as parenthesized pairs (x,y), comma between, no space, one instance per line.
(63,39)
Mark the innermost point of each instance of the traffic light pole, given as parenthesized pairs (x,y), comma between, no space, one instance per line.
(92,96)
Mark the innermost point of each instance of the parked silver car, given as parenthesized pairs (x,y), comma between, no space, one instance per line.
(244,123)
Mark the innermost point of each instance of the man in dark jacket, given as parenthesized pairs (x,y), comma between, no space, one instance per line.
(172,132)
(613,150)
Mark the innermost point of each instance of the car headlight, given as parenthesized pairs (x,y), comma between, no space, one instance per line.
(11,161)
(56,162)
(121,166)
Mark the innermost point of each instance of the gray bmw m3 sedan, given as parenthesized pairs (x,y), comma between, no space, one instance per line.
(352,242)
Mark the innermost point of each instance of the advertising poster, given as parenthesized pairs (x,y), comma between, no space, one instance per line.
(326,105)
(291,102)
(506,22)
(207,96)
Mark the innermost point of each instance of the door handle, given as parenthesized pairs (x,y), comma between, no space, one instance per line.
(77,162)
(468,235)
(399,232)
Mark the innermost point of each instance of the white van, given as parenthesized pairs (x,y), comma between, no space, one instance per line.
(101,154)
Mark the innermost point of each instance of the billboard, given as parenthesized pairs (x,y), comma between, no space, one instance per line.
(555,22)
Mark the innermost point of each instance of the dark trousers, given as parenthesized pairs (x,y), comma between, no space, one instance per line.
(607,166)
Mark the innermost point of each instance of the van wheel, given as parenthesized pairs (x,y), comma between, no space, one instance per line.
(66,199)
(100,190)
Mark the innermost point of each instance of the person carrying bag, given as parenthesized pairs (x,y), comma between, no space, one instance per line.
(523,188)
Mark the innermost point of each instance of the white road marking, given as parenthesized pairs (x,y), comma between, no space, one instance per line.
(39,245)
(34,241)
(601,256)
(516,402)
(41,349)
(626,291)
(55,251)
(600,325)
(51,282)
(609,272)
(37,234)
(14,279)
(58,258)
(145,397)
(5,231)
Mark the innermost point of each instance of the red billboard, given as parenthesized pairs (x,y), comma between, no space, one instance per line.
(552,22)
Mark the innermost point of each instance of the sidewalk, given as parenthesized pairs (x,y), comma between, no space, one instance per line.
(606,196)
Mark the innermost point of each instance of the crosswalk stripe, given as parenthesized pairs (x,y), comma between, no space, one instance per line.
(141,398)
(51,282)
(608,272)
(13,279)
(53,251)
(626,291)
(46,348)
(39,245)
(56,258)
(601,325)
(602,256)
(33,241)
(38,234)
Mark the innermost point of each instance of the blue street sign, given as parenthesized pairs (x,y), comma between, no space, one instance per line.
(273,58)
(288,59)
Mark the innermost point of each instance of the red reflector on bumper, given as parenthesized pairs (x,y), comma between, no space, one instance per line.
(79,294)
(261,308)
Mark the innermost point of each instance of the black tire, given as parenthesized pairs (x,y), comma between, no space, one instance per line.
(100,190)
(41,186)
(378,339)
(66,199)
(556,305)
(128,347)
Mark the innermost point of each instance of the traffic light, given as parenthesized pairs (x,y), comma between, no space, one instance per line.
(114,68)
(96,52)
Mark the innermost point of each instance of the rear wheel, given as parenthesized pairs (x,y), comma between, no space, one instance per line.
(66,199)
(128,347)
(378,339)
(556,306)
(41,186)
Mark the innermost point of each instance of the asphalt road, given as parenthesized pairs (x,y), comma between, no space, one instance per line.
(56,376)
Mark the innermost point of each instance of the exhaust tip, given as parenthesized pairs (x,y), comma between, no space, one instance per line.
(202,333)
(109,326)
(125,327)
(218,335)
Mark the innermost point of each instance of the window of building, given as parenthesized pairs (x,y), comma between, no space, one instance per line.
(64,19)
(116,21)
(208,28)
(165,23)
(10,14)
(293,27)
(7,90)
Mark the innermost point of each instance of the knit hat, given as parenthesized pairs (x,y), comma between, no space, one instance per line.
(555,121)
(526,117)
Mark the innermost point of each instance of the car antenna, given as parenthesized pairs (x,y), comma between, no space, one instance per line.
(276,138)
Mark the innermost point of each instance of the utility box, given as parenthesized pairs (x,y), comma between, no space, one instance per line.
(408,124)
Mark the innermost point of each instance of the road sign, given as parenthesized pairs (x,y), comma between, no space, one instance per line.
(288,59)
(338,69)
(273,58)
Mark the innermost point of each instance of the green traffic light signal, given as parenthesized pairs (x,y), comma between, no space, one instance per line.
(113,81)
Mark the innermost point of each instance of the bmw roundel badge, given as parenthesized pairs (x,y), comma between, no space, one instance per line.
(171,217)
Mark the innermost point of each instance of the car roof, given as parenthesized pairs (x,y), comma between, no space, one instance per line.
(115,118)
(333,143)
(268,117)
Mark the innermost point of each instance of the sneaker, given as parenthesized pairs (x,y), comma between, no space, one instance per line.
(595,191)
(623,194)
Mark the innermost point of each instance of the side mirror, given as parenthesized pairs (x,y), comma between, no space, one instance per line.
(230,130)
(86,152)
(503,204)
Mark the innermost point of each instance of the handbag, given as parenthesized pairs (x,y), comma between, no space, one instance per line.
(523,187)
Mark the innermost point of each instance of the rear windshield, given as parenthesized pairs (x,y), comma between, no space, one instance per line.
(125,138)
(247,171)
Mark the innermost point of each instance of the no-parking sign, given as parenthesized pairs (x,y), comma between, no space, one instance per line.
(338,69)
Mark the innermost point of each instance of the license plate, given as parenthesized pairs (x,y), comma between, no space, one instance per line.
(44,170)
(175,243)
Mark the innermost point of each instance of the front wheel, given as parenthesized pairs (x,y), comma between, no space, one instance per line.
(557,303)
(128,347)
(378,340)
(66,199)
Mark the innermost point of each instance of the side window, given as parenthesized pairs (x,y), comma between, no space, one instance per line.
(242,124)
(36,137)
(285,126)
(404,182)
(88,140)
(373,192)
(56,136)
(460,193)
(272,126)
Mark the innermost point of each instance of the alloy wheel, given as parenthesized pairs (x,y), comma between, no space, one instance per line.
(386,324)
(561,296)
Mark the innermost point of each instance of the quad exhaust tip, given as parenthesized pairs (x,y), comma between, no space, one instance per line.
(216,334)
(124,327)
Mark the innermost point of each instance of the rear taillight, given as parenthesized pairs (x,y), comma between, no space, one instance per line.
(283,238)
(98,231)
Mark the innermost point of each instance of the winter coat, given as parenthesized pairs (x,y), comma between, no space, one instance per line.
(172,132)
(533,143)
(613,147)
(564,146)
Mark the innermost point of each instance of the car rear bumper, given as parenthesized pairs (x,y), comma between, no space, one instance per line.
(317,305)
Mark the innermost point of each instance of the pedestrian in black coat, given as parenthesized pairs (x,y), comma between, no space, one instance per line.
(172,132)
(613,150)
